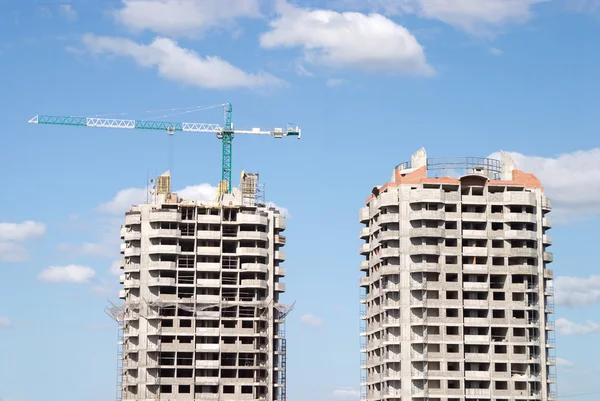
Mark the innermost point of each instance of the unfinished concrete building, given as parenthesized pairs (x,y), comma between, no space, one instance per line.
(457,299)
(201,317)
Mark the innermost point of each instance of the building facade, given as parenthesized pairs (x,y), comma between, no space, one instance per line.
(457,298)
(201,317)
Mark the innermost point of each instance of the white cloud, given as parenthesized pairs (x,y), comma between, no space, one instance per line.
(123,200)
(349,39)
(103,250)
(5,322)
(577,292)
(567,327)
(184,17)
(181,65)
(25,231)
(68,12)
(333,82)
(202,192)
(496,52)
(115,268)
(475,16)
(311,320)
(571,180)
(346,393)
(563,362)
(584,6)
(11,252)
(67,274)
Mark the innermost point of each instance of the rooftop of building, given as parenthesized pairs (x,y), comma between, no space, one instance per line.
(453,170)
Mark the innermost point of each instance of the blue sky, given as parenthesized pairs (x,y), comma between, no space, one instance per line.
(369,82)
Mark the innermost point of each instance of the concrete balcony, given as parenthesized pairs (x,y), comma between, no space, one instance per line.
(280,271)
(209,250)
(257,283)
(430,232)
(207,347)
(364,233)
(520,235)
(133,218)
(122,294)
(131,267)
(365,248)
(364,265)
(476,321)
(548,257)
(477,217)
(390,253)
(209,219)
(427,195)
(389,218)
(478,392)
(474,251)
(165,249)
(523,269)
(523,252)
(475,234)
(167,216)
(280,223)
(164,233)
(476,303)
(476,339)
(389,235)
(279,239)
(546,203)
(208,282)
(427,215)
(208,267)
(547,222)
(208,299)
(520,217)
(207,364)
(424,267)
(424,250)
(364,281)
(390,269)
(477,357)
(279,255)
(364,214)
(131,283)
(161,282)
(475,286)
(475,269)
(132,251)
(473,200)
(547,239)
(130,235)
(279,287)
(255,267)
(388,199)
(254,219)
(477,375)
(206,234)
(520,198)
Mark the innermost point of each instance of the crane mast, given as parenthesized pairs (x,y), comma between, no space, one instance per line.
(225,134)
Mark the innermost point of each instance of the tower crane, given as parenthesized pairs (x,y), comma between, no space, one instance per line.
(225,134)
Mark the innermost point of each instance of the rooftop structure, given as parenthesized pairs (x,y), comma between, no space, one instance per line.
(201,280)
(457,297)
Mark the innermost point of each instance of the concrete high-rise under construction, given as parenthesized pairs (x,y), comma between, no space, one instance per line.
(201,317)
(457,299)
